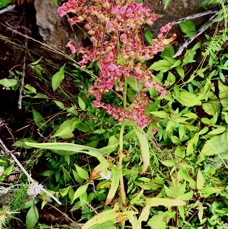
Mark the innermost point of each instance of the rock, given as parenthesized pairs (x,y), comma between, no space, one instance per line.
(177,9)
(50,26)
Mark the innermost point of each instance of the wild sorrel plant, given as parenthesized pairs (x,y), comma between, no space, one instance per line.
(116,32)
(115,29)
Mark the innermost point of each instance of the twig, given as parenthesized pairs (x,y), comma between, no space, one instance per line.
(187,42)
(22,84)
(194,16)
(26,173)
(7,9)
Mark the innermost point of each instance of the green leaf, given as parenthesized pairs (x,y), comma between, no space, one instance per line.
(72,149)
(188,28)
(168,163)
(66,129)
(186,196)
(81,103)
(207,191)
(180,71)
(223,94)
(159,114)
(200,180)
(32,217)
(114,185)
(102,218)
(168,51)
(215,145)
(55,2)
(154,202)
(149,36)
(218,130)
(79,192)
(157,222)
(144,148)
(161,65)
(9,170)
(82,172)
(3,3)
(211,107)
(64,191)
(38,119)
(171,78)
(8,82)
(57,78)
(187,99)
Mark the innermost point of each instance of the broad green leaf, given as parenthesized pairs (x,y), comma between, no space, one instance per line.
(101,218)
(168,51)
(218,130)
(160,114)
(180,71)
(157,222)
(186,196)
(109,224)
(187,99)
(188,28)
(3,3)
(215,145)
(207,191)
(161,65)
(79,192)
(66,129)
(199,180)
(38,119)
(154,202)
(59,104)
(171,78)
(64,191)
(32,217)
(149,36)
(9,170)
(144,148)
(176,64)
(82,172)
(168,163)
(223,94)
(81,103)
(189,57)
(8,82)
(211,107)
(57,78)
(114,185)
(72,149)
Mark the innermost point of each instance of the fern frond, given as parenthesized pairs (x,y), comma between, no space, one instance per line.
(166,3)
(215,44)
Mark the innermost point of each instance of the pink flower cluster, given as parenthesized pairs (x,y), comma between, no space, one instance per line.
(115,30)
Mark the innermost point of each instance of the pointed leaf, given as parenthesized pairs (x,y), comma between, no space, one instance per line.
(82,172)
(102,218)
(114,185)
(57,78)
(81,190)
(187,99)
(215,145)
(223,94)
(32,217)
(153,202)
(200,180)
(66,129)
(144,148)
